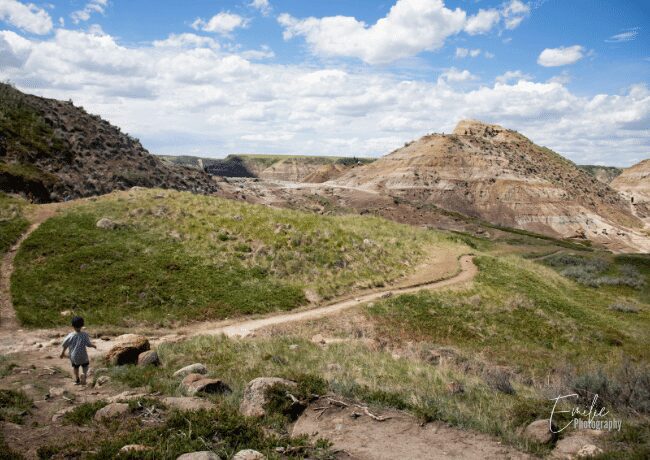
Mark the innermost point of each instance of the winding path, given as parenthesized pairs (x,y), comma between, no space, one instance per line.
(13,339)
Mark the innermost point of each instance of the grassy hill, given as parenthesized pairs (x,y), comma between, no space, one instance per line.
(12,222)
(180,257)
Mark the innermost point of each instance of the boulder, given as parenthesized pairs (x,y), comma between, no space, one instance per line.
(112,410)
(187,404)
(196,368)
(148,358)
(106,224)
(127,350)
(539,431)
(255,399)
(249,454)
(203,455)
(197,383)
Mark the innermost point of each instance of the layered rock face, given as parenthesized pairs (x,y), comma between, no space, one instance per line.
(51,150)
(498,175)
(634,184)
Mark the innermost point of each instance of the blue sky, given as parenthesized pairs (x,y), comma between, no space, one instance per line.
(342,77)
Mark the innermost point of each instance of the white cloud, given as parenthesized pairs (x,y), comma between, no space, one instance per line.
(262,5)
(454,75)
(185,93)
(512,75)
(93,6)
(27,17)
(482,22)
(514,13)
(410,27)
(464,52)
(627,36)
(223,23)
(555,57)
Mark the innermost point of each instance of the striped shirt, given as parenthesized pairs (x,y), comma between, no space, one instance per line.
(77,343)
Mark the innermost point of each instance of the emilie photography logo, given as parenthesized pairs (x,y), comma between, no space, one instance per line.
(582,417)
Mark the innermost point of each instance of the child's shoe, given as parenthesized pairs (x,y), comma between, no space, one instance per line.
(77,382)
(83,379)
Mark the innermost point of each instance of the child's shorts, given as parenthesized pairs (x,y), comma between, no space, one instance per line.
(83,366)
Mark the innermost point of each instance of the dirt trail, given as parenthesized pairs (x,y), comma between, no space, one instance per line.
(8,321)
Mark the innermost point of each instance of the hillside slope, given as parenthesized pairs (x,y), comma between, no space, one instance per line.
(500,176)
(605,174)
(634,183)
(51,150)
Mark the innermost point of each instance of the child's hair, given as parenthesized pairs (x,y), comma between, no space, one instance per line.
(77,322)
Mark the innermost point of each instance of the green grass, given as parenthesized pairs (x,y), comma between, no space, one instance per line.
(14,405)
(12,222)
(518,313)
(188,257)
(83,414)
(223,431)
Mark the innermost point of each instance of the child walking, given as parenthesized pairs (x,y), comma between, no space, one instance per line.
(77,342)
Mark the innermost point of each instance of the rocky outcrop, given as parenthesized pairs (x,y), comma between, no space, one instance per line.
(51,150)
(634,185)
(495,174)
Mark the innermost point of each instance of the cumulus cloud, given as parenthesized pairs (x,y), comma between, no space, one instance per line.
(555,57)
(262,5)
(512,75)
(514,13)
(223,23)
(482,22)
(464,52)
(27,17)
(185,93)
(410,27)
(93,6)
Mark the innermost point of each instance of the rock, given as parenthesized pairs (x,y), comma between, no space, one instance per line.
(254,399)
(203,455)
(55,392)
(293,346)
(66,313)
(249,454)
(112,410)
(197,383)
(569,447)
(127,350)
(539,431)
(102,380)
(589,450)
(187,404)
(319,339)
(134,448)
(58,415)
(106,224)
(196,368)
(148,358)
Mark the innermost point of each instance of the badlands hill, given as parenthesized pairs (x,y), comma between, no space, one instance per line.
(634,183)
(292,168)
(51,150)
(498,175)
(604,174)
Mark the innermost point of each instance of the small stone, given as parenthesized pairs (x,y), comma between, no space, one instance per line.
(203,455)
(135,448)
(197,383)
(102,380)
(318,339)
(55,392)
(148,358)
(589,450)
(540,431)
(66,313)
(112,410)
(255,399)
(106,224)
(293,346)
(249,454)
(196,368)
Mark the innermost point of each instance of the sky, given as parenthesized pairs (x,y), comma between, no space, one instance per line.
(341,77)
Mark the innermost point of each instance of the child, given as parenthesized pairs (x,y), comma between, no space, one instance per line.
(77,342)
